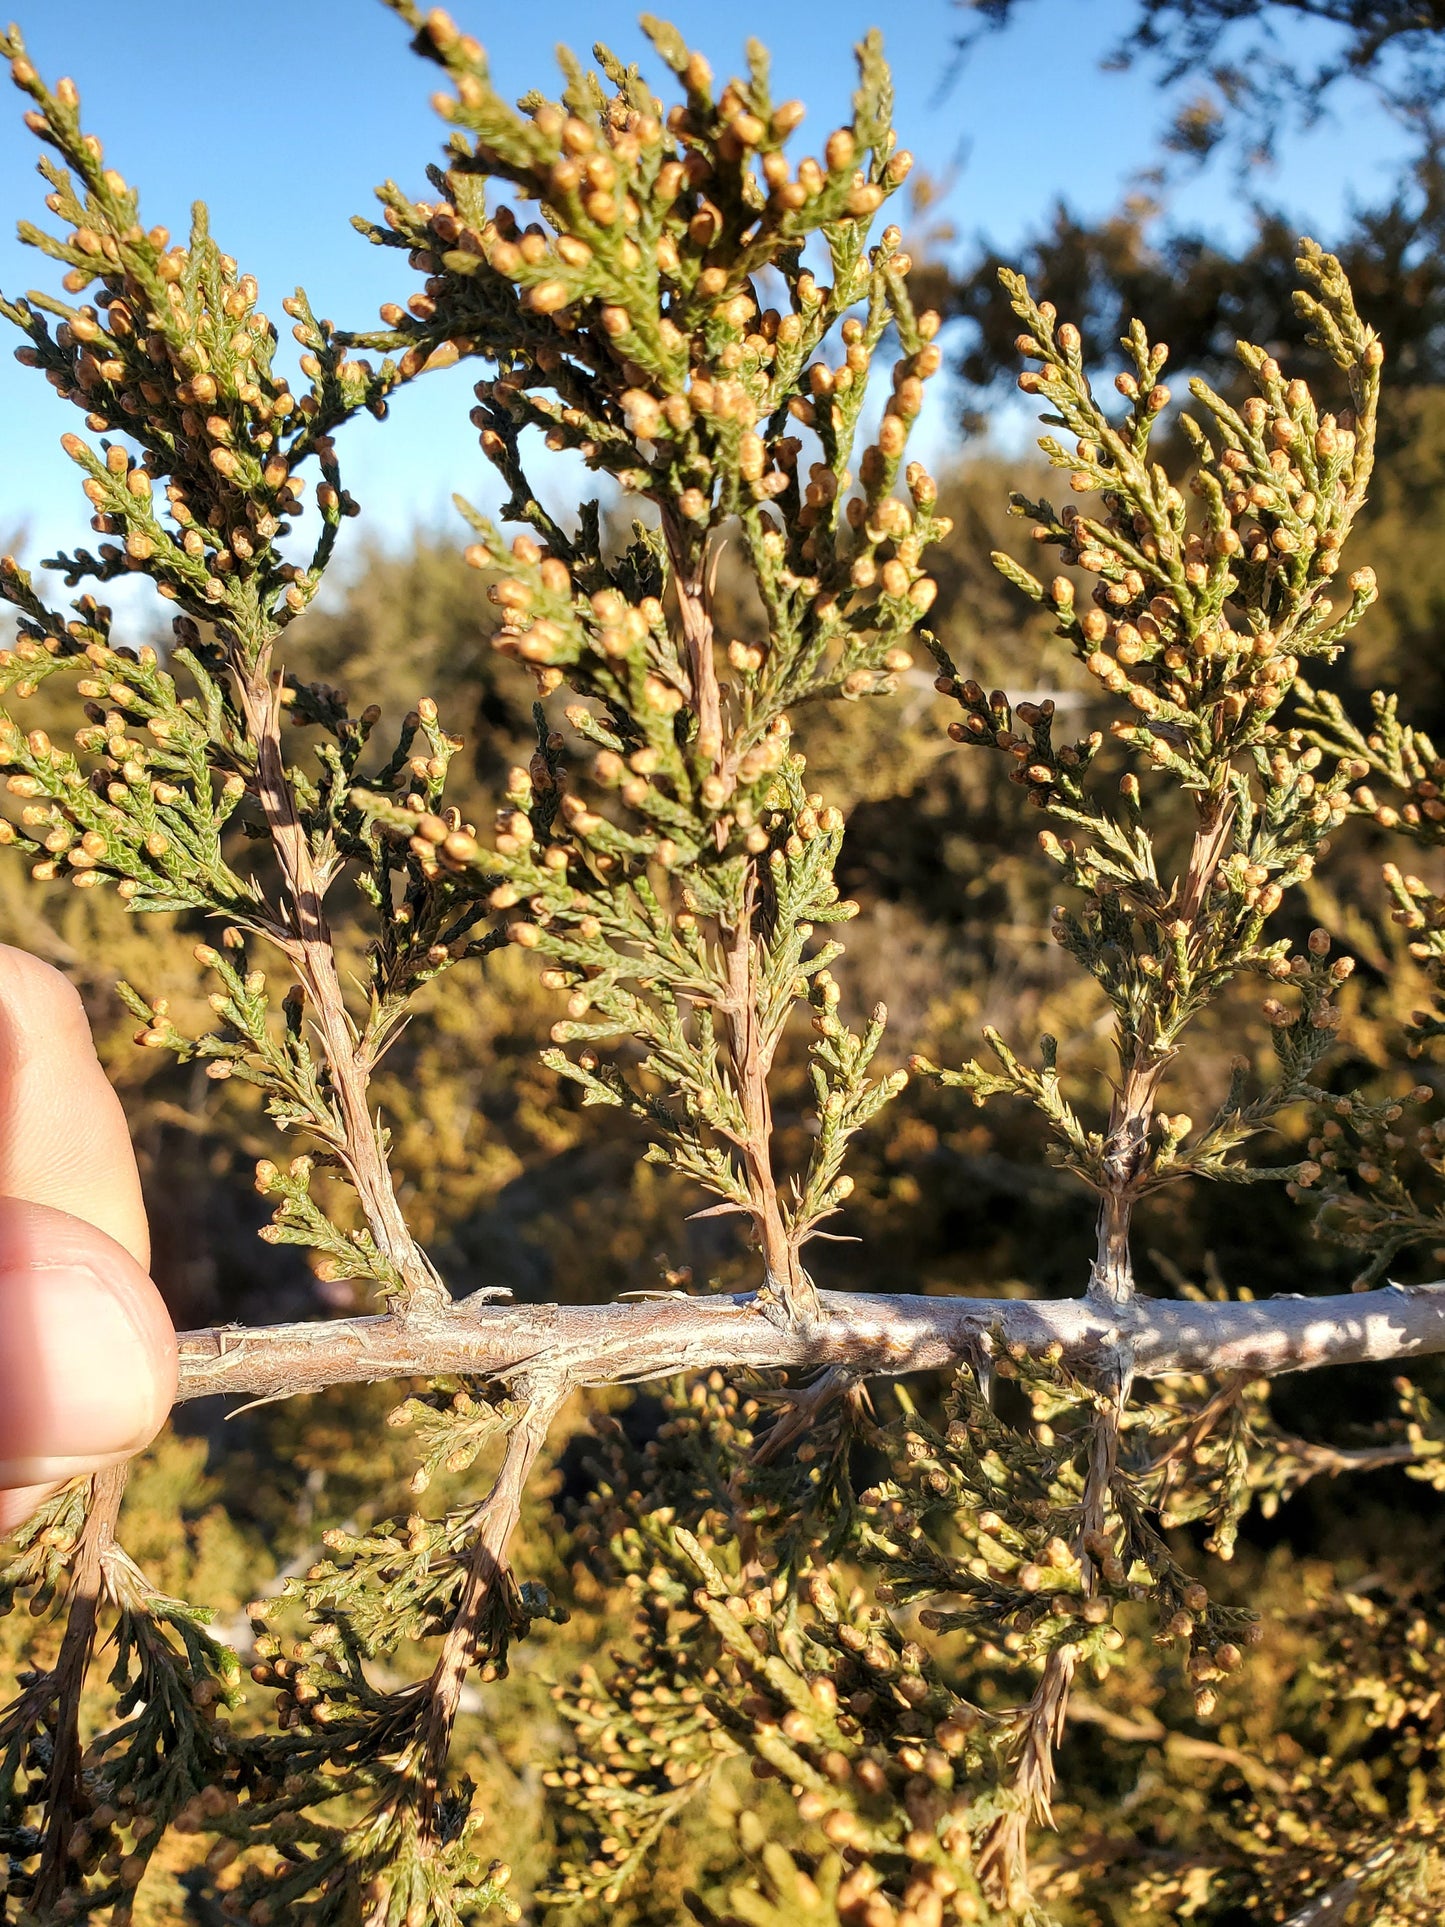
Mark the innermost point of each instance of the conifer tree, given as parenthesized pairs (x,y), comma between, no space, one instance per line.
(710,325)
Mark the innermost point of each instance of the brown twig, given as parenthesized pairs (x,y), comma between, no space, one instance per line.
(1145,1730)
(1333,1460)
(804,1408)
(1315,1457)
(1126,1146)
(786,1279)
(694,603)
(306,937)
(1331,1906)
(487,1570)
(67,1682)
(1003,1859)
(751,1053)
(1202,1424)
(1003,1855)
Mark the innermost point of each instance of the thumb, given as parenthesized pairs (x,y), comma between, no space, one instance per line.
(87,1353)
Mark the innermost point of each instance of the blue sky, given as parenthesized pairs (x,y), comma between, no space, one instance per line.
(283,117)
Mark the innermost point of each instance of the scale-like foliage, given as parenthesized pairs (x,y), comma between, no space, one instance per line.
(875,1619)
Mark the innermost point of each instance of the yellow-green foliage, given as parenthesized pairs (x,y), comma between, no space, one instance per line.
(755,1662)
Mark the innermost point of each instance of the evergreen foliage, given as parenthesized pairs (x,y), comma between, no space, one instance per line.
(831,1614)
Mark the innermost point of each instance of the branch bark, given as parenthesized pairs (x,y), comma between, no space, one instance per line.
(1003,1858)
(787,1283)
(694,603)
(786,1279)
(1127,1149)
(68,1682)
(307,941)
(874,1335)
(489,1568)
(1332,1905)
(1147,1730)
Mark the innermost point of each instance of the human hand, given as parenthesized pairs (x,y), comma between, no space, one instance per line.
(87,1352)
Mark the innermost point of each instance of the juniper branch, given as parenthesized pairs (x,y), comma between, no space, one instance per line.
(68,1679)
(674,888)
(780,1256)
(872,1335)
(306,938)
(488,1573)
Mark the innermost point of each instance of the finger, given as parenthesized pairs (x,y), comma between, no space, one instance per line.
(87,1353)
(63,1135)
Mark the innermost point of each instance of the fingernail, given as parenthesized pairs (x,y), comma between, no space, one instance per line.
(79,1379)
